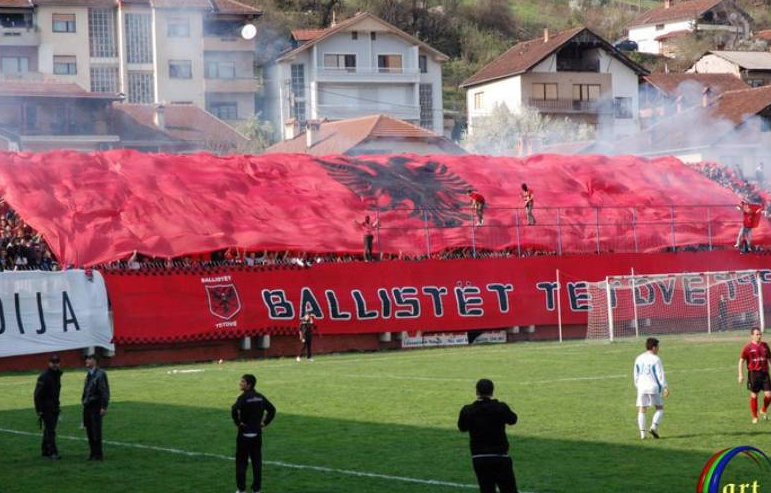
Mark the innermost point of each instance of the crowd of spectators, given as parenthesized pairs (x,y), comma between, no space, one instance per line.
(752,191)
(21,248)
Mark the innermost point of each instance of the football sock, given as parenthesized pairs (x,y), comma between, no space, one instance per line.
(657,418)
(641,421)
(766,402)
(754,406)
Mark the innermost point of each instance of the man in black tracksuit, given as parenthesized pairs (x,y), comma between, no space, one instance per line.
(96,397)
(306,336)
(251,413)
(485,420)
(47,405)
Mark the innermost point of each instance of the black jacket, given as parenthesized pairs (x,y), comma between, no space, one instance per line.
(306,330)
(96,390)
(49,385)
(486,421)
(248,412)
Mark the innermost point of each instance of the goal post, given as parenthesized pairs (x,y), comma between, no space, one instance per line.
(701,302)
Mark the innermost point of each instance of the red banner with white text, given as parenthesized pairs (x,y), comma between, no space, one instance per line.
(390,296)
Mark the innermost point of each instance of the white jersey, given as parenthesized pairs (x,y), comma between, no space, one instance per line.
(649,374)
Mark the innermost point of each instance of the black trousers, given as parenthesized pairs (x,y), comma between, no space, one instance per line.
(492,471)
(368,247)
(306,348)
(50,419)
(92,420)
(248,448)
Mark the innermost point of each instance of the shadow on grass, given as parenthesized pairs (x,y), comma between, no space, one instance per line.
(542,465)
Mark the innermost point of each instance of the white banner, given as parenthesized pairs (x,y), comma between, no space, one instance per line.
(43,312)
(451,339)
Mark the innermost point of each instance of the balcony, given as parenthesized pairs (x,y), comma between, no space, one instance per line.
(340,112)
(368,74)
(569,106)
(227,43)
(577,65)
(237,85)
(19,36)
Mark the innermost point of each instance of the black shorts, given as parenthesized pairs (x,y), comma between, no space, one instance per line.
(757,381)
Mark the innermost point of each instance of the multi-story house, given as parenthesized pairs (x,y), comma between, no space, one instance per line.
(152,51)
(573,74)
(753,67)
(357,67)
(722,19)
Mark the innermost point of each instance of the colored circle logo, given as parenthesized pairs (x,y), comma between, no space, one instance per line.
(709,480)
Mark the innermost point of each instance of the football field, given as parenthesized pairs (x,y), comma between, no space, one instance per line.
(386,422)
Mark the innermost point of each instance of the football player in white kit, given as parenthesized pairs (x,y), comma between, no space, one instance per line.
(651,386)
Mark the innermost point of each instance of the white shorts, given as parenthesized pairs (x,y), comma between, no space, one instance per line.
(647,400)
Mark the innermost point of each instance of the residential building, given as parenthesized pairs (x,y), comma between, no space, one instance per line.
(357,67)
(47,115)
(153,51)
(574,74)
(723,19)
(753,67)
(373,134)
(662,95)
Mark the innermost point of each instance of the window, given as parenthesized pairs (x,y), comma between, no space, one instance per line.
(423,64)
(354,35)
(138,38)
(63,23)
(30,117)
(101,33)
(389,63)
(478,100)
(659,27)
(545,92)
(756,82)
(622,107)
(298,80)
(220,69)
(373,36)
(347,62)
(224,111)
(104,79)
(586,92)
(178,27)
(180,69)
(65,65)
(427,106)
(140,87)
(298,111)
(14,65)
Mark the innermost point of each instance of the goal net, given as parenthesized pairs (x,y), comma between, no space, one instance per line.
(633,306)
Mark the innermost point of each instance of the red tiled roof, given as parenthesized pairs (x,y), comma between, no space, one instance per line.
(737,106)
(339,137)
(676,84)
(523,56)
(48,89)
(234,7)
(183,122)
(672,35)
(16,4)
(764,35)
(677,11)
(307,34)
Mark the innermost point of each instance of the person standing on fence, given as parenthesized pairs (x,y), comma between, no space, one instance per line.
(755,355)
(368,228)
(306,336)
(96,397)
(478,205)
(47,392)
(651,386)
(251,413)
(528,198)
(485,421)
(751,214)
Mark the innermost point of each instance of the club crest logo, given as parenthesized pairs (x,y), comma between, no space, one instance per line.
(224,302)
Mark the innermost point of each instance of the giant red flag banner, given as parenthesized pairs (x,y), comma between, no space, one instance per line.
(100,207)
(391,296)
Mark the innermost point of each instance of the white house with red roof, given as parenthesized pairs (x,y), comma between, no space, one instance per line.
(652,29)
(356,67)
(153,51)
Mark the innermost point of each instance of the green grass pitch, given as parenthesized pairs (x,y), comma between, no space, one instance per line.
(393,415)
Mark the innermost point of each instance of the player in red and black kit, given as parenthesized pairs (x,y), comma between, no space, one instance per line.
(478,204)
(751,214)
(756,355)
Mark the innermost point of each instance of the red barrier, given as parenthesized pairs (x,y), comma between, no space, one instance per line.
(378,297)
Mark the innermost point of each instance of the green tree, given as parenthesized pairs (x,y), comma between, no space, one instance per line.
(260,135)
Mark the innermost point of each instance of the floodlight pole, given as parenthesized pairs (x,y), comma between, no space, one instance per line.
(761,313)
(610,308)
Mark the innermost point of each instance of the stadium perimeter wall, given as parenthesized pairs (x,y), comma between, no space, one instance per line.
(525,274)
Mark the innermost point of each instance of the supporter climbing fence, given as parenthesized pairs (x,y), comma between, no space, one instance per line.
(560,230)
